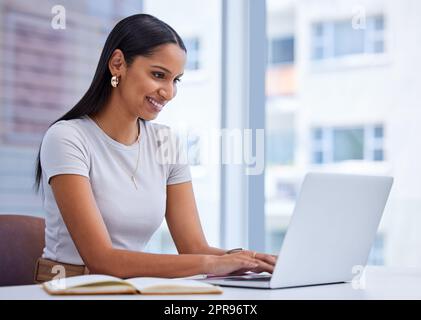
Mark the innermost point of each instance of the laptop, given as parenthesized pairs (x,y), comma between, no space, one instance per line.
(331,231)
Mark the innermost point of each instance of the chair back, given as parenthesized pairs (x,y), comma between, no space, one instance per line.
(21,244)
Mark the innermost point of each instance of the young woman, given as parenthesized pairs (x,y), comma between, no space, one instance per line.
(104,191)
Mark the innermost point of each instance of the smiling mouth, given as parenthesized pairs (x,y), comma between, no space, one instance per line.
(156,105)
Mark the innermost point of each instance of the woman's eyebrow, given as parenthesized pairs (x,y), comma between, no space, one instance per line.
(165,69)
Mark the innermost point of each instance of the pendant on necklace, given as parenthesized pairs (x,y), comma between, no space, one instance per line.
(134,181)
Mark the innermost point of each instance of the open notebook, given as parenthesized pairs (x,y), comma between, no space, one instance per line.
(104,284)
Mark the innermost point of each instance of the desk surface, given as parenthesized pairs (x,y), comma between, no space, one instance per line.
(380,283)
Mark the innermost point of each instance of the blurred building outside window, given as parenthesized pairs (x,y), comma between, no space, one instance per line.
(349,102)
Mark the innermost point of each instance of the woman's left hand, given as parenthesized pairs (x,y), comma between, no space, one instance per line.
(266,262)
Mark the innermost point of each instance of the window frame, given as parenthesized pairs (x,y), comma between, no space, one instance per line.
(243,63)
(326,41)
(325,144)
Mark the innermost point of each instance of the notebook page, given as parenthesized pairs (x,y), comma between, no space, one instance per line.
(144,282)
(83,280)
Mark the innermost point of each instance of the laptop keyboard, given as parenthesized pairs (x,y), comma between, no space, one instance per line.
(249,278)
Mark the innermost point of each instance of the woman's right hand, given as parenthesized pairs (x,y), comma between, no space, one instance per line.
(236,263)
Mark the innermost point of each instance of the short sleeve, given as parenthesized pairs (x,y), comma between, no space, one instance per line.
(172,154)
(179,170)
(64,151)
(178,173)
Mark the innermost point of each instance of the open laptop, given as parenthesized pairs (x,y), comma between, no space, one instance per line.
(331,230)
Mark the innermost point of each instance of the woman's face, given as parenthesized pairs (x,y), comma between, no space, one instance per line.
(150,82)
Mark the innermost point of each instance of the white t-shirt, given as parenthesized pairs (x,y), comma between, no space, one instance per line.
(131,215)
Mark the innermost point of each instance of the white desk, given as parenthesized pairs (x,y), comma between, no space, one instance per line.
(380,283)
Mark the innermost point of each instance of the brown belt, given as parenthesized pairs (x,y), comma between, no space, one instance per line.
(46,270)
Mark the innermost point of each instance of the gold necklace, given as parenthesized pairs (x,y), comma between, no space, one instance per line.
(133,175)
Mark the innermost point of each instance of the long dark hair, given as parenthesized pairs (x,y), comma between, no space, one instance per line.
(137,35)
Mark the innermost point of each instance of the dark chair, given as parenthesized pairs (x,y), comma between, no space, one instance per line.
(21,244)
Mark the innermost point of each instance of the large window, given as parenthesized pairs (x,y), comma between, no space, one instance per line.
(319,116)
(363,119)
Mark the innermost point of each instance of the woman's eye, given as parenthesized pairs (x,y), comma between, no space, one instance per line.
(159,75)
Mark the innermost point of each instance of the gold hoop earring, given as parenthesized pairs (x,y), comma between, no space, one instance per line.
(114,81)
